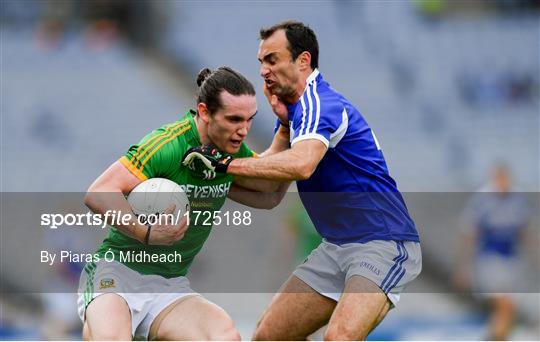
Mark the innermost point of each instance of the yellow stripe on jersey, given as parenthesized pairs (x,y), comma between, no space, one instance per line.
(163,142)
(127,163)
(171,127)
(147,145)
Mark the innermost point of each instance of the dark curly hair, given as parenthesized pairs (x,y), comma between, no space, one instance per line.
(300,37)
(212,83)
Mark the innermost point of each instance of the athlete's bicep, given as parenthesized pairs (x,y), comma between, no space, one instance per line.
(116,178)
(320,118)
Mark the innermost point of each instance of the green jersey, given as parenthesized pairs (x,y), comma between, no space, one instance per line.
(159,154)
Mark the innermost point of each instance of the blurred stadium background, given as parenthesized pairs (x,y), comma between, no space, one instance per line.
(450,88)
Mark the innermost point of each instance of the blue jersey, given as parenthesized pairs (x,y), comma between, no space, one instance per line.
(350,197)
(498,219)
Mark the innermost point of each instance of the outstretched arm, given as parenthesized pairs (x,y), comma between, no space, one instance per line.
(279,143)
(262,193)
(286,164)
(297,163)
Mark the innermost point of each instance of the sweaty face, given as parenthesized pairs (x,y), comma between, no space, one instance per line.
(279,71)
(229,126)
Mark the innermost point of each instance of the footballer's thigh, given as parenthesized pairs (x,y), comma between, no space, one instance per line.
(361,307)
(108,318)
(193,318)
(295,312)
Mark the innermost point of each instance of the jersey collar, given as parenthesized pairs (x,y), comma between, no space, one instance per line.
(312,76)
(190,115)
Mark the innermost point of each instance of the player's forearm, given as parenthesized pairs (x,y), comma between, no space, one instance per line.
(280,142)
(284,166)
(101,201)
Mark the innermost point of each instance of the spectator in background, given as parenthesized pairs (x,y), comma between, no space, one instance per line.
(495,219)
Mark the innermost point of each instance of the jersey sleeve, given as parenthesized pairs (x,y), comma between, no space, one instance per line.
(317,118)
(157,154)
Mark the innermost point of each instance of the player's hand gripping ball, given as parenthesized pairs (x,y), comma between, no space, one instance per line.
(206,161)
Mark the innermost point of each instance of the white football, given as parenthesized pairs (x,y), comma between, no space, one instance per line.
(155,195)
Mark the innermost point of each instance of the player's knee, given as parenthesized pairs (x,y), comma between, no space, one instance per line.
(259,335)
(343,333)
(230,334)
(107,335)
(262,332)
(266,331)
(225,331)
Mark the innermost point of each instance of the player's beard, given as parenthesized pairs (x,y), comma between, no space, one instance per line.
(286,91)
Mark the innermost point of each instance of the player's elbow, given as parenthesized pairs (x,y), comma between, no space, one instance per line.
(267,206)
(303,175)
(274,201)
(305,170)
(271,200)
(90,199)
(93,197)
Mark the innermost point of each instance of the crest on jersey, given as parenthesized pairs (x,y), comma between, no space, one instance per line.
(106,283)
